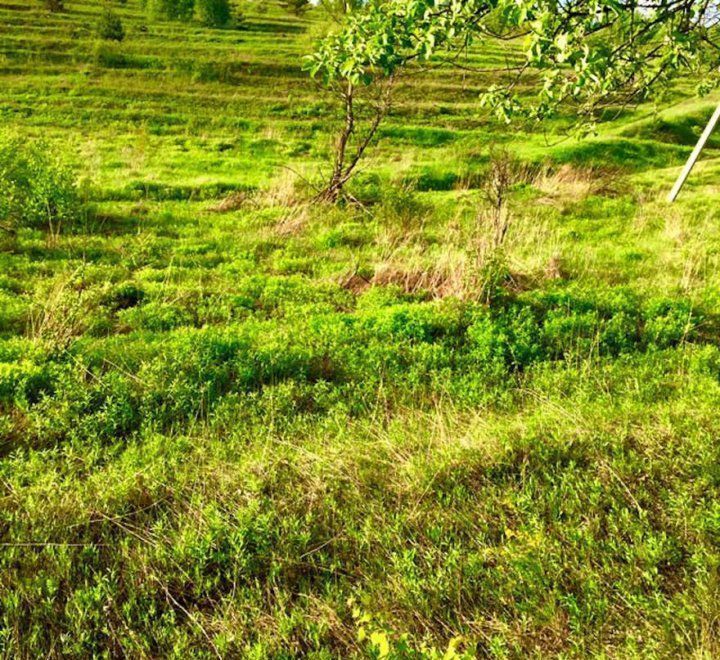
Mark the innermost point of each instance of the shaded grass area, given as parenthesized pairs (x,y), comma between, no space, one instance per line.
(232,424)
(582,517)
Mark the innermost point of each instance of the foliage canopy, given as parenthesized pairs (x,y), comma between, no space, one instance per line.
(593,53)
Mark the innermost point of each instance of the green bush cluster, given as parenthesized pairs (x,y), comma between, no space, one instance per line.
(214,13)
(110,26)
(508,515)
(37,190)
(171,9)
(173,371)
(55,5)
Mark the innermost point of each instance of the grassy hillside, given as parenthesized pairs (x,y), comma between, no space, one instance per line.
(236,424)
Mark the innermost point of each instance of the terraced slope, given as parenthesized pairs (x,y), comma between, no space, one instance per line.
(236,424)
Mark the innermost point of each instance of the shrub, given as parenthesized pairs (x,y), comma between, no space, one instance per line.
(110,26)
(215,13)
(297,7)
(668,322)
(427,179)
(401,208)
(37,190)
(55,5)
(13,311)
(367,187)
(24,381)
(180,10)
(107,55)
(156,316)
(123,296)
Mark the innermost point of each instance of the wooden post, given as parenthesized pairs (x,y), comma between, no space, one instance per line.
(694,156)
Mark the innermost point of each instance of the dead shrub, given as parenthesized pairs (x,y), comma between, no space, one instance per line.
(554,269)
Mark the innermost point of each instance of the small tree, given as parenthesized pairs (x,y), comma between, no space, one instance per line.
(55,5)
(364,108)
(110,26)
(174,10)
(504,172)
(214,13)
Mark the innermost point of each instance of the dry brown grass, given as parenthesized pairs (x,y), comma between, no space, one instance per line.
(285,190)
(233,202)
(287,193)
(293,221)
(447,276)
(459,271)
(571,183)
(60,317)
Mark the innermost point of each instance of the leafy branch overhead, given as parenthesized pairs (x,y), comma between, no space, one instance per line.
(591,53)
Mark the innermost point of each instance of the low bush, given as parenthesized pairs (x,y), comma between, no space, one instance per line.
(110,26)
(109,56)
(24,382)
(297,7)
(172,372)
(425,179)
(37,190)
(213,13)
(180,10)
(403,210)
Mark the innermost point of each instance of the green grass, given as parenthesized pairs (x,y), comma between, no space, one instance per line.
(234,424)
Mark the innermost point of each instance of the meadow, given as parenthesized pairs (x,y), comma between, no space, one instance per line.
(237,423)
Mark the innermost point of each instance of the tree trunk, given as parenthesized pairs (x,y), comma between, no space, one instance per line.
(344,166)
